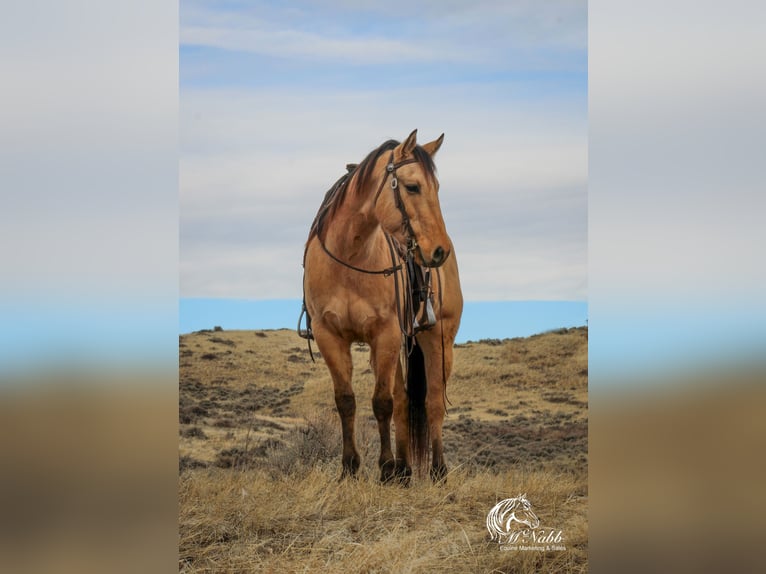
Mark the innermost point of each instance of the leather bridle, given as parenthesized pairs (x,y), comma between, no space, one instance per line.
(409,232)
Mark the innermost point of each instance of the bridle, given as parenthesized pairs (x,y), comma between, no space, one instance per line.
(409,233)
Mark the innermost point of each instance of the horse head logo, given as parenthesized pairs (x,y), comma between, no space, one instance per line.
(501,519)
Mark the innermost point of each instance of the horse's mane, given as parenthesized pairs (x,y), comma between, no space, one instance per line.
(334,196)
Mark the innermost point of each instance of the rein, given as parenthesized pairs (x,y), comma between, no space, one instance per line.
(391,168)
(385,272)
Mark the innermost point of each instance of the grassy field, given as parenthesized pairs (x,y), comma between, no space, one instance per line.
(260,460)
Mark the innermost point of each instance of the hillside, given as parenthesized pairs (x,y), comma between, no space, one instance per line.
(260,457)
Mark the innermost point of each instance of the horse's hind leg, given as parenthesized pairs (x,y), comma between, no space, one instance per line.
(437,374)
(401,428)
(337,355)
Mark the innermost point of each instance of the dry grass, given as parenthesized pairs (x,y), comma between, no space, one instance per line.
(260,460)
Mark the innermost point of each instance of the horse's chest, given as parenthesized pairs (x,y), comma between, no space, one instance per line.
(363,313)
(359,317)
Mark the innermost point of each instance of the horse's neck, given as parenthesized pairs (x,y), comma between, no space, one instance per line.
(355,230)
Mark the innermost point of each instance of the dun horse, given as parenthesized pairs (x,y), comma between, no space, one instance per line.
(372,253)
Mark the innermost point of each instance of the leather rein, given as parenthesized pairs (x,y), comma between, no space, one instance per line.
(412,243)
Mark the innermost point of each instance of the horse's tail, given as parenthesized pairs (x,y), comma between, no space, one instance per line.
(416,395)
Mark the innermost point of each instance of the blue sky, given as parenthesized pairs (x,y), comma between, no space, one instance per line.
(673,160)
(275,99)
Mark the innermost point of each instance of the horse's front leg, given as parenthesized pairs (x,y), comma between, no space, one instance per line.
(337,355)
(384,359)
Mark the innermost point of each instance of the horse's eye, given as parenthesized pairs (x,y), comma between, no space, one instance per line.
(414,188)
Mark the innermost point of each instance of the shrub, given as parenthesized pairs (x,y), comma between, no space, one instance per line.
(314,442)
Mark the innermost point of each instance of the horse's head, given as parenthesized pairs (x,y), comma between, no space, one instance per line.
(407,205)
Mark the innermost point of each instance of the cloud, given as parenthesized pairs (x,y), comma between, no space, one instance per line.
(513,177)
(395,32)
(261,39)
(278,98)
(677,137)
(88,141)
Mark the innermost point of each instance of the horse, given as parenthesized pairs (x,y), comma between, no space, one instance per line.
(368,264)
(508,511)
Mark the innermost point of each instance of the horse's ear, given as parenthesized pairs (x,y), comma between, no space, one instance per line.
(432,147)
(409,144)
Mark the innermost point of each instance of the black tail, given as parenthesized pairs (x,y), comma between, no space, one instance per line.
(416,394)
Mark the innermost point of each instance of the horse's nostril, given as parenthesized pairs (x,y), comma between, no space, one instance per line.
(438,255)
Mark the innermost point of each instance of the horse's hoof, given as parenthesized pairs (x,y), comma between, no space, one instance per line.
(388,472)
(350,466)
(439,474)
(397,473)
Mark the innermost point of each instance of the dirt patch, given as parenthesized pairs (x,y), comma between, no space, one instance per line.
(532,442)
(515,402)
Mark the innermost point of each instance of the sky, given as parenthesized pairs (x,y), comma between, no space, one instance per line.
(275,99)
(264,106)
